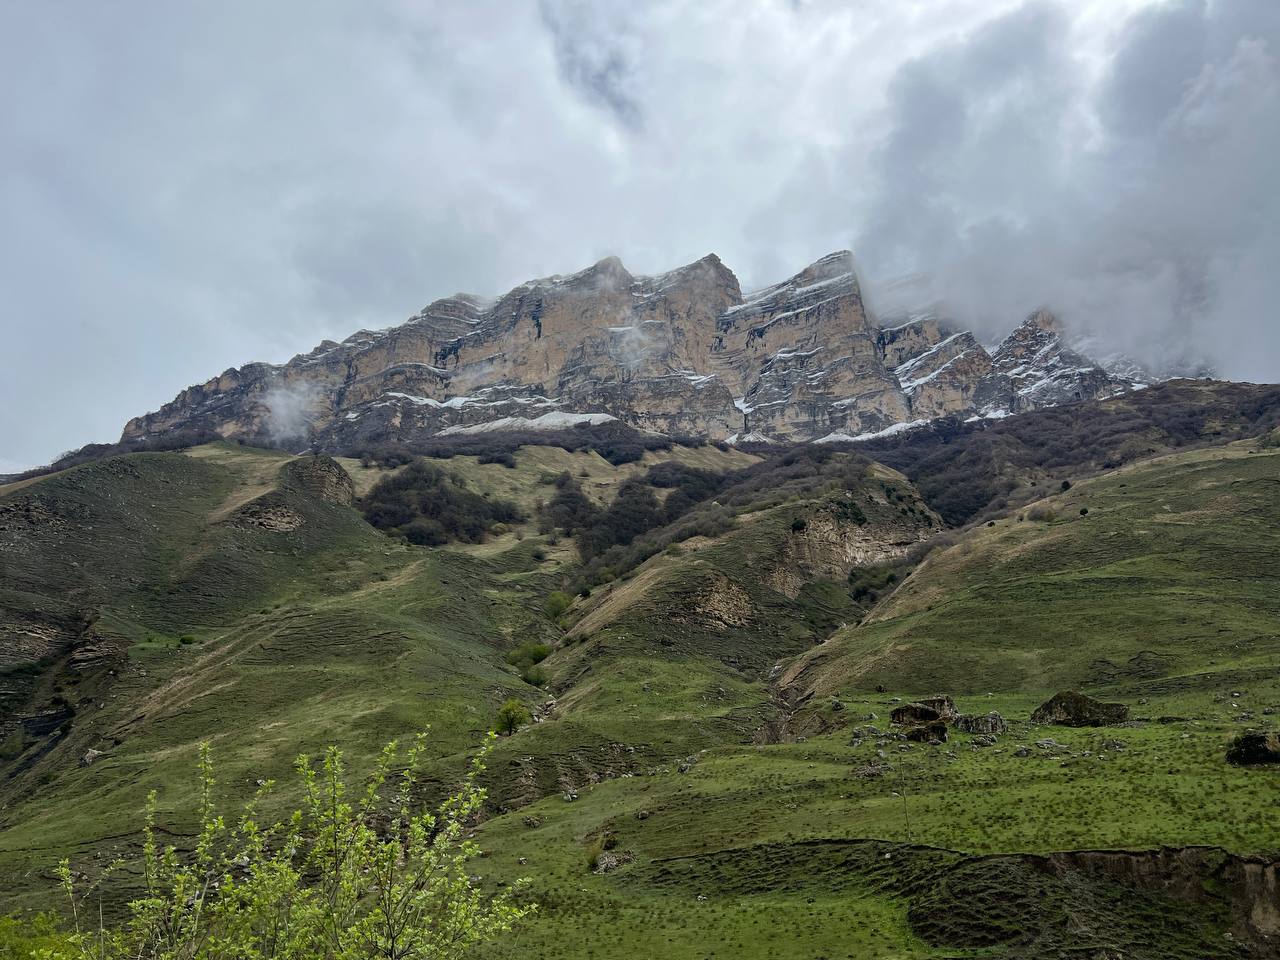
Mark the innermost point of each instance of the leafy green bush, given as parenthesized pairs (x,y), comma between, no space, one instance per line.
(557,602)
(352,873)
(534,675)
(527,654)
(25,938)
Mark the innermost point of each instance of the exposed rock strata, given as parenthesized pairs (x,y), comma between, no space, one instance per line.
(684,353)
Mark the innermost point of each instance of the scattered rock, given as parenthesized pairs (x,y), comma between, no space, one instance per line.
(1022,752)
(984,740)
(642,814)
(990,723)
(532,822)
(1073,709)
(612,860)
(1254,747)
(90,755)
(872,771)
(1048,743)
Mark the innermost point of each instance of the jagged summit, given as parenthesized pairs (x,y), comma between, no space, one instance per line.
(683,353)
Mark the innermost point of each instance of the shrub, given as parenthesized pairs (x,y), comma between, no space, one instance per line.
(41,935)
(534,675)
(527,654)
(353,872)
(512,715)
(1041,513)
(187,639)
(557,602)
(503,457)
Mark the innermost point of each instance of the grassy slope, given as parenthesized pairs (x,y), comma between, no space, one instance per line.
(779,812)
(748,853)
(1172,581)
(330,633)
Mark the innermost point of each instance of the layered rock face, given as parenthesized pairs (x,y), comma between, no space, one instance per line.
(683,353)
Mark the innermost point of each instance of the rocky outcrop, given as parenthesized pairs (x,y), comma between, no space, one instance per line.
(684,353)
(832,539)
(1071,709)
(319,477)
(1035,368)
(990,724)
(924,711)
(1254,748)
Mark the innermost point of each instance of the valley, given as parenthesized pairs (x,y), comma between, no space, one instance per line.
(713,768)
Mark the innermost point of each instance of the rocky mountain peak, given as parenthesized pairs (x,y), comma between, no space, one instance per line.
(683,353)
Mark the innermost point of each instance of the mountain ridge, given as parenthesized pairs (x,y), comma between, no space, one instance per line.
(683,353)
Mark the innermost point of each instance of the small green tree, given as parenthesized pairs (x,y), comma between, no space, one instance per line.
(512,715)
(343,878)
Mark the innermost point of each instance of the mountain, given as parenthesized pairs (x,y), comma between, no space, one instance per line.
(684,353)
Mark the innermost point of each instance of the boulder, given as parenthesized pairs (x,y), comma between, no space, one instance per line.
(924,710)
(990,723)
(910,713)
(1072,709)
(945,706)
(925,732)
(1253,748)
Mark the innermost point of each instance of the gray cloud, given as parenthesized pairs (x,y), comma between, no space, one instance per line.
(1140,203)
(184,188)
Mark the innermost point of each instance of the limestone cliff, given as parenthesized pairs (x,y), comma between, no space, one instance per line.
(684,353)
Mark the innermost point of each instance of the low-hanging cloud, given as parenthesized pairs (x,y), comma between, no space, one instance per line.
(1139,202)
(292,409)
(177,196)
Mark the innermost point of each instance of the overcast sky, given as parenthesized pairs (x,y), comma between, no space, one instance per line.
(185,187)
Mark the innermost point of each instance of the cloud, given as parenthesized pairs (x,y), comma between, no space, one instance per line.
(1140,203)
(184,188)
(293,408)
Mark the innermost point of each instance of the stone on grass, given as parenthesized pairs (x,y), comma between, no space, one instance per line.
(991,723)
(925,732)
(1253,748)
(1073,709)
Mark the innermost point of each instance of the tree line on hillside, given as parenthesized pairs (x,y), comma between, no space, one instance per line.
(430,507)
(966,471)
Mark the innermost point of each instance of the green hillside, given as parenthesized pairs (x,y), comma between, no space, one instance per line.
(712,772)
(1156,578)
